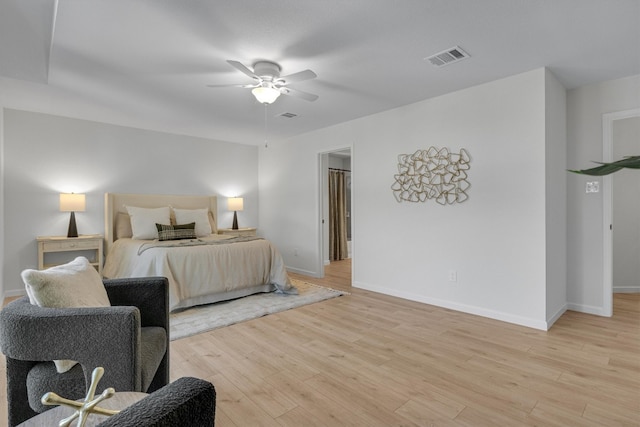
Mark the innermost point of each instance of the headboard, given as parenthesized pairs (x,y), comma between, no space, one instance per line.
(115,202)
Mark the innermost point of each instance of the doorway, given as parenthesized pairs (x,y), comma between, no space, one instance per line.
(620,209)
(337,242)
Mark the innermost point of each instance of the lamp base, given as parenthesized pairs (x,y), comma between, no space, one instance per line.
(235,220)
(73,230)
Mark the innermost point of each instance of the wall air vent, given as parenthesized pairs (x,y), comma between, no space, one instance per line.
(288,115)
(448,56)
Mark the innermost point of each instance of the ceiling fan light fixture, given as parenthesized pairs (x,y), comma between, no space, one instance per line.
(266,94)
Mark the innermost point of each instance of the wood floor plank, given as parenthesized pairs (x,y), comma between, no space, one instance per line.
(269,398)
(554,415)
(427,410)
(237,407)
(602,415)
(318,409)
(362,404)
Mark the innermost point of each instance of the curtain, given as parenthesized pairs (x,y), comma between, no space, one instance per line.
(337,216)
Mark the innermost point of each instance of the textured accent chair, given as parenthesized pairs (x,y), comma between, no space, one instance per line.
(185,402)
(130,340)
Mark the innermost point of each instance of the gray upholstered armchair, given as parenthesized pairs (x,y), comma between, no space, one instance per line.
(130,340)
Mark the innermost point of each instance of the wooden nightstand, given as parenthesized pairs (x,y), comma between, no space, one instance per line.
(55,244)
(251,231)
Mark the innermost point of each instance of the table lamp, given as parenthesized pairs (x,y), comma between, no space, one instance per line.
(71,202)
(235,204)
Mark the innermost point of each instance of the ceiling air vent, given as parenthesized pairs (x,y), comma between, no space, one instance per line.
(288,115)
(448,56)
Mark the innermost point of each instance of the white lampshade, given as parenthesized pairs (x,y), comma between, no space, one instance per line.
(72,202)
(266,94)
(235,203)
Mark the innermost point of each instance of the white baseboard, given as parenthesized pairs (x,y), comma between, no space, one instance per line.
(553,319)
(302,271)
(588,309)
(479,311)
(626,289)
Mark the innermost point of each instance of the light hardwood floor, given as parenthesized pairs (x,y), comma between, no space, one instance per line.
(367,359)
(337,275)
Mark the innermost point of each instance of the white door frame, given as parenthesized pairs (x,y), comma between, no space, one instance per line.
(607,210)
(322,203)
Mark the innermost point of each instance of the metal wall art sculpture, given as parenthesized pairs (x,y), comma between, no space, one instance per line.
(433,174)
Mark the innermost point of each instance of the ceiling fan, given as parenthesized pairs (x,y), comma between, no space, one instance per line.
(269,85)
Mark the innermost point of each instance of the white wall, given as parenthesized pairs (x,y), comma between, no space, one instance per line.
(556,195)
(626,208)
(496,241)
(1,198)
(585,107)
(290,202)
(44,155)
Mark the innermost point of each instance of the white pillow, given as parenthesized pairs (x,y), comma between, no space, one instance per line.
(75,284)
(199,216)
(144,220)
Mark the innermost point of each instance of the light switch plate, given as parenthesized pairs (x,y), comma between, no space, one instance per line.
(593,186)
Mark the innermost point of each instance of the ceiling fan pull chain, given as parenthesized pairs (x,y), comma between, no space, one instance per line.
(266,144)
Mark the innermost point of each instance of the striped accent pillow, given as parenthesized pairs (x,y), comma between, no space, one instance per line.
(176,232)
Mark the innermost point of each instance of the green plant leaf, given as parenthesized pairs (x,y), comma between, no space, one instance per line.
(630,162)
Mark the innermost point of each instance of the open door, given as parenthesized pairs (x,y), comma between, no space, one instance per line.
(335,163)
(612,125)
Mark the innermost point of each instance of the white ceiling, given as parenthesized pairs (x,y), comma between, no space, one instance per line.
(152,59)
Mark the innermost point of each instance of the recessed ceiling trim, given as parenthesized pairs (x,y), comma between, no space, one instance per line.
(447,56)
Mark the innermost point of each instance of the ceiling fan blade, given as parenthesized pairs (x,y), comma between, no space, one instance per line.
(241,67)
(232,85)
(297,77)
(298,94)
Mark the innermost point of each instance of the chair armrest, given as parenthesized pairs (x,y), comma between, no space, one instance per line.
(149,294)
(101,336)
(186,401)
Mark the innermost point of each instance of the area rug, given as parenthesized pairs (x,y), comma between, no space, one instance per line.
(212,316)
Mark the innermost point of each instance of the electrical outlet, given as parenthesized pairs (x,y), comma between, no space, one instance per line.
(295,251)
(453,276)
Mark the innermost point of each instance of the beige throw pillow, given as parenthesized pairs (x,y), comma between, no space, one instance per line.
(199,216)
(75,284)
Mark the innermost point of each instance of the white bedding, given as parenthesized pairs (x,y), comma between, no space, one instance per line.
(209,269)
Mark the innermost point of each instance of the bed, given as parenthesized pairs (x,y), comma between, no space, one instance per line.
(202,268)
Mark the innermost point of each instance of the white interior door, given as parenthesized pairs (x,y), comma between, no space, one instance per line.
(608,123)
